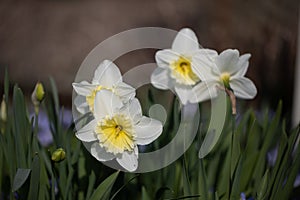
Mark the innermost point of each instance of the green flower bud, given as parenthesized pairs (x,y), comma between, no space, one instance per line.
(38,94)
(58,155)
(3,111)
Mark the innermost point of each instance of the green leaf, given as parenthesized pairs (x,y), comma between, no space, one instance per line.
(263,187)
(202,181)
(236,152)
(35,178)
(22,127)
(103,190)
(145,195)
(293,172)
(186,181)
(55,95)
(20,178)
(92,180)
(270,135)
(216,196)
(235,189)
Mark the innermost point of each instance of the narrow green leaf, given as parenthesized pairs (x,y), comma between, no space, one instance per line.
(216,196)
(270,135)
(35,178)
(55,95)
(235,188)
(263,187)
(292,167)
(145,195)
(92,180)
(20,178)
(280,161)
(20,120)
(103,190)
(236,152)
(202,181)
(185,176)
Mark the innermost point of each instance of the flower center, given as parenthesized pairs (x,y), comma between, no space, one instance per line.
(225,79)
(182,71)
(116,134)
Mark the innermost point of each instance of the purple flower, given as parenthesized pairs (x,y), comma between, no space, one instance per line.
(44,132)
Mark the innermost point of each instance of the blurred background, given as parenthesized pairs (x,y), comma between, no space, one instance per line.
(46,38)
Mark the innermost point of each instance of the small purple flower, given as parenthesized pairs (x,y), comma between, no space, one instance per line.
(297,181)
(243,196)
(66,118)
(272,156)
(44,132)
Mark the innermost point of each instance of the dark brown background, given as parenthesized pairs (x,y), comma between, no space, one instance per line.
(46,38)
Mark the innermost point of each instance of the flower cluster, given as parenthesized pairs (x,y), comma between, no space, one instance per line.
(118,125)
(195,74)
(198,74)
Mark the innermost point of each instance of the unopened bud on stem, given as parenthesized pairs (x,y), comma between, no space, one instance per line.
(58,155)
(3,112)
(37,96)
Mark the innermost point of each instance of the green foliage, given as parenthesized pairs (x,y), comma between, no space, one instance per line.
(237,164)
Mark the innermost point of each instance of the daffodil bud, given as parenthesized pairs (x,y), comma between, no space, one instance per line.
(3,113)
(38,94)
(58,155)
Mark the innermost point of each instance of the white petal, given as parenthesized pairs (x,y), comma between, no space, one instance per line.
(203,63)
(227,61)
(86,133)
(243,64)
(204,70)
(100,153)
(208,53)
(81,104)
(133,109)
(185,41)
(106,103)
(147,130)
(129,160)
(125,91)
(243,88)
(165,57)
(204,91)
(184,93)
(83,88)
(107,74)
(160,79)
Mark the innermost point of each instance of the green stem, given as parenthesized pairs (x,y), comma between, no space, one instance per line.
(35,132)
(231,152)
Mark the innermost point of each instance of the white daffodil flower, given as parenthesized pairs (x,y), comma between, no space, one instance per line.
(228,72)
(107,76)
(176,67)
(117,130)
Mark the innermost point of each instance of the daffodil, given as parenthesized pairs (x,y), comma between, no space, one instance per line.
(228,73)
(107,76)
(176,67)
(117,129)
